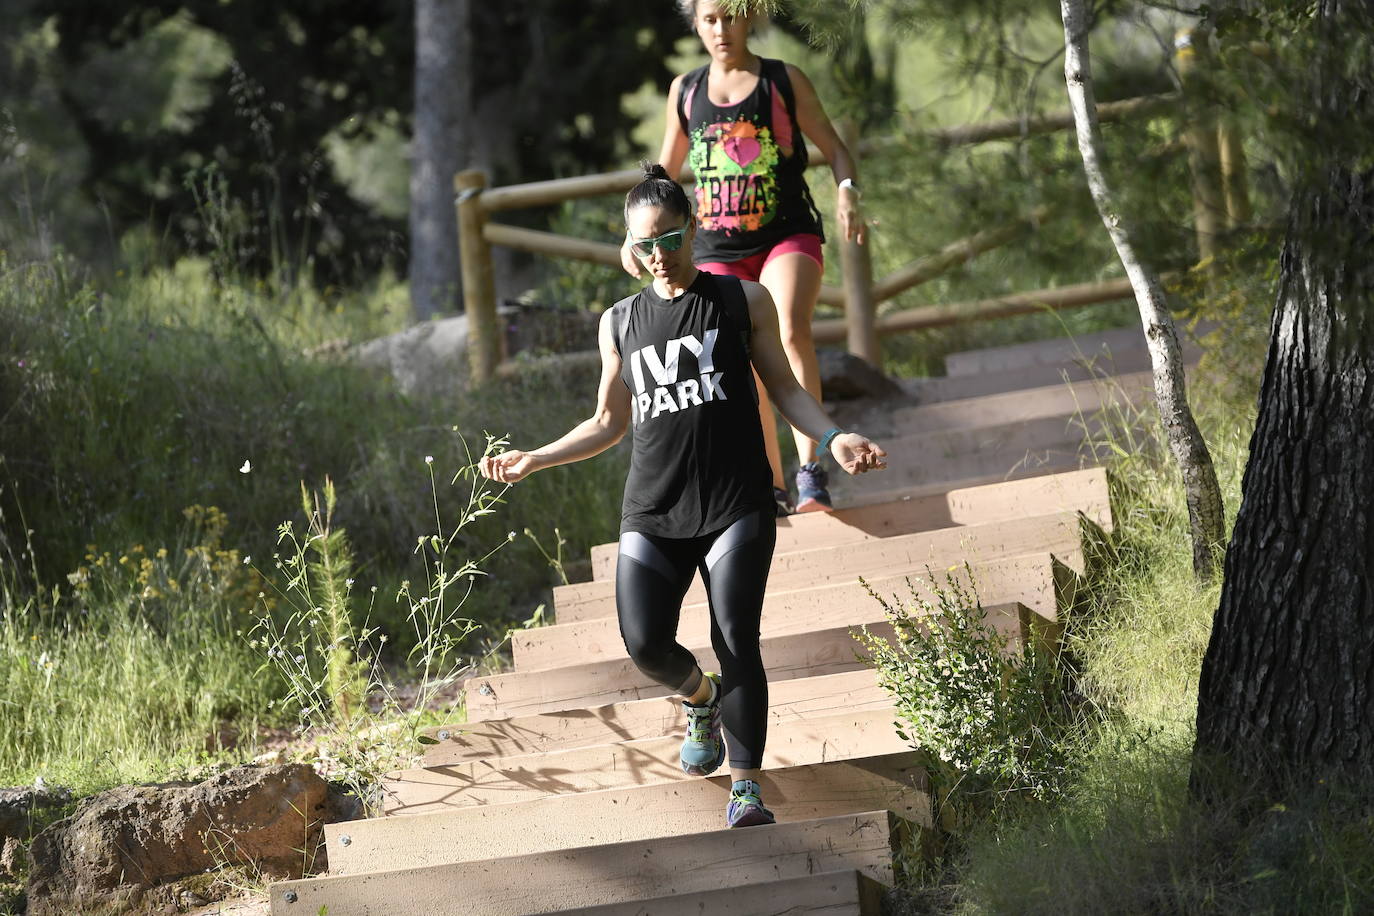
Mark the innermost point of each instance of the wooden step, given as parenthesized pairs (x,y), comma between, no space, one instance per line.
(789,700)
(1093,347)
(954,387)
(1134,391)
(902,554)
(897,782)
(1050,351)
(926,459)
(1027,579)
(1075,491)
(649,761)
(843,893)
(611,680)
(615,873)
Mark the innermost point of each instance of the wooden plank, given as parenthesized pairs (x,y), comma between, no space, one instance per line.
(1073,491)
(792,699)
(949,388)
(648,761)
(1051,351)
(897,782)
(871,558)
(932,459)
(847,603)
(598,875)
(846,893)
(797,655)
(1134,390)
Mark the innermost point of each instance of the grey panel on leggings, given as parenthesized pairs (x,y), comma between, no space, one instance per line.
(737,535)
(642,550)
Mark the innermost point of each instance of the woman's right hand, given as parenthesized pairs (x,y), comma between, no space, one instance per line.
(507,467)
(628,259)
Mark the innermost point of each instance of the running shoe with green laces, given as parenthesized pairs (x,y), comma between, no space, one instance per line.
(746,807)
(812,495)
(703,750)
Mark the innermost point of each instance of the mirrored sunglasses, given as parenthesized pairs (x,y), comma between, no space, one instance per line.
(668,241)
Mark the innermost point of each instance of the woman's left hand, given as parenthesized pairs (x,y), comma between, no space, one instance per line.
(857,454)
(851,220)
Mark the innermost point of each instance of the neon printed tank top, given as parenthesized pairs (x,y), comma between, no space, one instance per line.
(750,165)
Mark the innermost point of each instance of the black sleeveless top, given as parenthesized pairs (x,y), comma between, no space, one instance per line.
(749,160)
(697,462)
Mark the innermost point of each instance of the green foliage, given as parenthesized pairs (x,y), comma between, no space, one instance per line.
(994,717)
(141,671)
(361,722)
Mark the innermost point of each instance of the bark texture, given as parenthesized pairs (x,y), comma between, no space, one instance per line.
(1205,511)
(1288,679)
(443,104)
(1289,672)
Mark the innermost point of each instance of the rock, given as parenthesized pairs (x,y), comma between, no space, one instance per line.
(845,376)
(121,843)
(21,806)
(432,356)
(11,857)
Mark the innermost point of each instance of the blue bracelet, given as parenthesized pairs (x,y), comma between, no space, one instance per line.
(824,444)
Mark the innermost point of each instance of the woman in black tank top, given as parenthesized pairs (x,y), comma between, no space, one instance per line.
(741,122)
(678,361)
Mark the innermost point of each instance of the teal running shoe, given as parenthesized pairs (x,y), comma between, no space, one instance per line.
(812,492)
(703,750)
(746,807)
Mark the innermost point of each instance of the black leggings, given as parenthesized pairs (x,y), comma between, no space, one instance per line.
(651,577)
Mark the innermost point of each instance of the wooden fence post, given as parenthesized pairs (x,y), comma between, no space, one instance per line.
(486,343)
(857,267)
(1233,180)
(1200,133)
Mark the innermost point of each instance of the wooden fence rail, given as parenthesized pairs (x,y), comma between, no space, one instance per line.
(860,293)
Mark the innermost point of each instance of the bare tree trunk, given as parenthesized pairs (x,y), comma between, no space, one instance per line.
(1185,439)
(1286,687)
(443,106)
(1286,680)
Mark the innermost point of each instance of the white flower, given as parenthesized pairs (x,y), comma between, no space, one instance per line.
(429,459)
(247,466)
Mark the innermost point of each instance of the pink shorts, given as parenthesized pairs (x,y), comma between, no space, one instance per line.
(751,268)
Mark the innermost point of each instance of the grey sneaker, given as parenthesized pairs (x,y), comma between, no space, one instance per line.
(703,750)
(812,495)
(745,808)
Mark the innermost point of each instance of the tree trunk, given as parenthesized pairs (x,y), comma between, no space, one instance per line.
(1288,679)
(443,105)
(1185,439)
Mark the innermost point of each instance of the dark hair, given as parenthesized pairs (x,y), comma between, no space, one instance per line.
(657,190)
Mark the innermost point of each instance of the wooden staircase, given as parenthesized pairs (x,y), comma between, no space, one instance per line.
(562,792)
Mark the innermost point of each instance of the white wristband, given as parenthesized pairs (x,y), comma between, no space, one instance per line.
(849,183)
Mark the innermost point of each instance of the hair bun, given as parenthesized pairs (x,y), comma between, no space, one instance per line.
(653,169)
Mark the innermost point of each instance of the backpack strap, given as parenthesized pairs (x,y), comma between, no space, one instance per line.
(775,71)
(686,92)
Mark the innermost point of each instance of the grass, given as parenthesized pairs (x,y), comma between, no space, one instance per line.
(159,427)
(1126,836)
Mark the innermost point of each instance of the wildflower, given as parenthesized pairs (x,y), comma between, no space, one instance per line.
(429,459)
(248,561)
(510,535)
(247,466)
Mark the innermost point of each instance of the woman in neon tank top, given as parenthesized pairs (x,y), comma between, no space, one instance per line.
(678,360)
(739,122)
